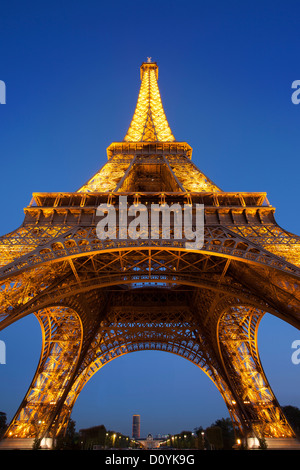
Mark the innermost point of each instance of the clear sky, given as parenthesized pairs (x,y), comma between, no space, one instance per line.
(71,71)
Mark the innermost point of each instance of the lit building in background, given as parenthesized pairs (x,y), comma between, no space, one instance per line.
(136,422)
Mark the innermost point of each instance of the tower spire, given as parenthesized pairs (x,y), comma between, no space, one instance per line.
(149,122)
(149,137)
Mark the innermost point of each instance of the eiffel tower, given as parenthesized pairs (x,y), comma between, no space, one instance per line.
(97,299)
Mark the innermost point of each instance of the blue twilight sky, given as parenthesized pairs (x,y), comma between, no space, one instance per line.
(71,71)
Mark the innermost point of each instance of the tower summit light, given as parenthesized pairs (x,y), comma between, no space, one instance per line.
(149,122)
(99,299)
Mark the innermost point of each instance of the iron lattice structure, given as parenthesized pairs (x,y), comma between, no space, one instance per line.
(99,299)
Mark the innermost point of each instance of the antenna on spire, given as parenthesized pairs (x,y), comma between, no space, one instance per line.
(149,60)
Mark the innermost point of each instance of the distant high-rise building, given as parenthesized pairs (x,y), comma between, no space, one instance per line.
(136,422)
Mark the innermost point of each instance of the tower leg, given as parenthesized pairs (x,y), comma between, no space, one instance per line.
(62,341)
(254,397)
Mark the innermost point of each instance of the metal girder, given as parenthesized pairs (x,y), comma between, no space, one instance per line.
(62,341)
(99,299)
(238,346)
(149,122)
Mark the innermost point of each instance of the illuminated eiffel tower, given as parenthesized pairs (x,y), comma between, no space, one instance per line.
(97,299)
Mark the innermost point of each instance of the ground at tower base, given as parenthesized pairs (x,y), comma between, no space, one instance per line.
(219,436)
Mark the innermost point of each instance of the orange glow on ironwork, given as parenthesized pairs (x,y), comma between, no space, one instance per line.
(57,255)
(149,122)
